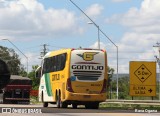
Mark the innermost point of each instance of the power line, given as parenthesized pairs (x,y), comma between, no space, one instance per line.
(57,46)
(31,47)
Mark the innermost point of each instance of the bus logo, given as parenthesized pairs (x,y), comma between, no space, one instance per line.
(88,56)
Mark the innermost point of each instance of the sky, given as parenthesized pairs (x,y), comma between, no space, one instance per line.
(132,25)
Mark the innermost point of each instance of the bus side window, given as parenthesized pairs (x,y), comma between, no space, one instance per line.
(54,63)
(63,60)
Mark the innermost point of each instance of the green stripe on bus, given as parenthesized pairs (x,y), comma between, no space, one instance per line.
(48,84)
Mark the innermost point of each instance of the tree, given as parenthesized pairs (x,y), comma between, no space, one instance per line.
(123,83)
(110,74)
(123,87)
(35,81)
(12,60)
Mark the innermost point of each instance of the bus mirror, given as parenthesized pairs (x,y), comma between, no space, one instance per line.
(38,72)
(36,75)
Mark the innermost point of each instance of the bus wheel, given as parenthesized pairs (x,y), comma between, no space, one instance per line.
(63,104)
(74,106)
(95,105)
(59,102)
(45,104)
(87,106)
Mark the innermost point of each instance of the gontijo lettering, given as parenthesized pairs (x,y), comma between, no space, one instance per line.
(87,67)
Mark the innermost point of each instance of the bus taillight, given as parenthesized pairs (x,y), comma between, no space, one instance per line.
(103,50)
(104,86)
(69,85)
(72,49)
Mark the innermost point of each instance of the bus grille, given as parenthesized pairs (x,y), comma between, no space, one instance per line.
(87,75)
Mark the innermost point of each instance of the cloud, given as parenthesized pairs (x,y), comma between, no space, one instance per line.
(120,0)
(33,59)
(94,10)
(142,32)
(22,18)
(95,45)
(28,20)
(143,20)
(143,23)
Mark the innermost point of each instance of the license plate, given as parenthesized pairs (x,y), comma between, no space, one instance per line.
(18,91)
(87,96)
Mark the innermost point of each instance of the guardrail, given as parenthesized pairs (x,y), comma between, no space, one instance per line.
(143,102)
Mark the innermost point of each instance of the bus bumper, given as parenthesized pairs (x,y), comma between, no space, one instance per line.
(86,97)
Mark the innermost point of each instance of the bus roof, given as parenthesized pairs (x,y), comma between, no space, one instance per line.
(68,50)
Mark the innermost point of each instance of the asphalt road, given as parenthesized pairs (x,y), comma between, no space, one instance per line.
(37,110)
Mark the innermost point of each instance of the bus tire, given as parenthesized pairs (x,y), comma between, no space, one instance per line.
(95,105)
(74,106)
(87,106)
(59,102)
(45,104)
(63,104)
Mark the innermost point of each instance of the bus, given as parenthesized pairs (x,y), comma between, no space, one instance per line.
(73,77)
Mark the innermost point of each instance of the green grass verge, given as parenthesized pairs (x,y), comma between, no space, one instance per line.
(128,106)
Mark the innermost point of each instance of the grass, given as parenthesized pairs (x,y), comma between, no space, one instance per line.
(34,100)
(128,106)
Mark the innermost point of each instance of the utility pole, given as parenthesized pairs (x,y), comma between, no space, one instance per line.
(158,61)
(44,51)
(98,33)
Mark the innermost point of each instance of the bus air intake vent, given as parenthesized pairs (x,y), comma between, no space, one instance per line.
(87,75)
